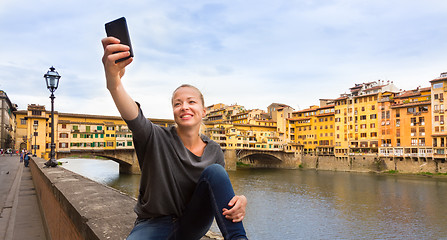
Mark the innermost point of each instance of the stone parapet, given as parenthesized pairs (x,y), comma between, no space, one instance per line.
(75,207)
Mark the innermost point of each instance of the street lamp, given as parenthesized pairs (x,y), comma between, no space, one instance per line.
(52,79)
(35,141)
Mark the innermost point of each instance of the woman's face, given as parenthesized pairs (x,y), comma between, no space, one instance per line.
(187,107)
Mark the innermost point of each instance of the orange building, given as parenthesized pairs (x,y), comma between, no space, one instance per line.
(405,124)
(438,88)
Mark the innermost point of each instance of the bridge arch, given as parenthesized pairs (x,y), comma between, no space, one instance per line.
(126,158)
(261,158)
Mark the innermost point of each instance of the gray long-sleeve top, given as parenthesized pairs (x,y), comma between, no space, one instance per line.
(169,171)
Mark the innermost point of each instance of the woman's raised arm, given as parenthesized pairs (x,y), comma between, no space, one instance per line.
(114,72)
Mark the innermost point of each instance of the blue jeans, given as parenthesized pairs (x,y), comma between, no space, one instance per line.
(213,193)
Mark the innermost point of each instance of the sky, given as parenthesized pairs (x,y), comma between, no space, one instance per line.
(252,52)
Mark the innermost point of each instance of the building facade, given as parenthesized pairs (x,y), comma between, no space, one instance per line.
(73,132)
(438,104)
(7,121)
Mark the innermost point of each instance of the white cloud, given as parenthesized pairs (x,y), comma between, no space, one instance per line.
(247,52)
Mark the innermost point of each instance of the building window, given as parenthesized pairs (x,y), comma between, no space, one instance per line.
(63,145)
(421,131)
(36,112)
(437,85)
(23,121)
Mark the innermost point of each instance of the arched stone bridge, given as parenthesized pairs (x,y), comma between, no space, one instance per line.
(126,158)
(128,161)
(266,158)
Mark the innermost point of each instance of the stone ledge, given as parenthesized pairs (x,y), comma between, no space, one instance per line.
(96,211)
(75,207)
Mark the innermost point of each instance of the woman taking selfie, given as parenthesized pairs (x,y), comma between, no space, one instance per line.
(184,185)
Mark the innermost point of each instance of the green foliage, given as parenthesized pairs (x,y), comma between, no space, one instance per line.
(241,164)
(392,171)
(301,166)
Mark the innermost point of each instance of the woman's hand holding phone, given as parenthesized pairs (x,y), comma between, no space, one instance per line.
(113,51)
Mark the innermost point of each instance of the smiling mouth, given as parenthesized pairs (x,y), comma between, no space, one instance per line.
(186,116)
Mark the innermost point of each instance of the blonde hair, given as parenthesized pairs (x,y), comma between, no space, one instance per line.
(189,86)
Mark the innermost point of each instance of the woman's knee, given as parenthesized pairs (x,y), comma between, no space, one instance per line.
(215,170)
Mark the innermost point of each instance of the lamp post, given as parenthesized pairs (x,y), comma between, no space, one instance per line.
(35,141)
(52,79)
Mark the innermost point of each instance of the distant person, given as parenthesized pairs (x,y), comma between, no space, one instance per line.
(26,158)
(184,185)
(21,156)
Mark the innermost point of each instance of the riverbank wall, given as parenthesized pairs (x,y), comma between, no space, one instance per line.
(74,207)
(372,163)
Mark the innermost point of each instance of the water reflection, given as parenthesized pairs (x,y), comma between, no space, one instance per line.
(301,204)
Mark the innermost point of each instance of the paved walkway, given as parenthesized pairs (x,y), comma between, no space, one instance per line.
(20,216)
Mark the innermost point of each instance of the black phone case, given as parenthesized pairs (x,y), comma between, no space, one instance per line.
(118,28)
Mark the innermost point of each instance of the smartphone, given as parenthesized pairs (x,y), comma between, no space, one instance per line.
(118,28)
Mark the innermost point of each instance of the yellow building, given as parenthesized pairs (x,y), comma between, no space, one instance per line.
(244,136)
(279,113)
(219,113)
(356,123)
(32,128)
(325,130)
(304,125)
(73,132)
(313,128)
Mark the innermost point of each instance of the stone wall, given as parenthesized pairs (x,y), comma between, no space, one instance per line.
(331,163)
(367,163)
(230,159)
(75,207)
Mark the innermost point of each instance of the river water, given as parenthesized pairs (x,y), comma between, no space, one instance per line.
(308,204)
